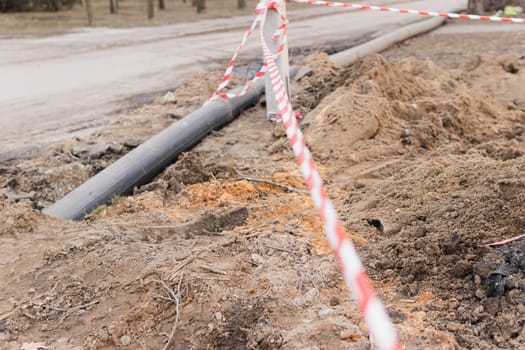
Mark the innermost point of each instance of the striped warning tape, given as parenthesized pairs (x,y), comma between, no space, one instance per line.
(225,95)
(505,241)
(382,331)
(229,70)
(280,32)
(415,12)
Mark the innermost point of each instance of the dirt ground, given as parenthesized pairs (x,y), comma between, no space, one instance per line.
(425,142)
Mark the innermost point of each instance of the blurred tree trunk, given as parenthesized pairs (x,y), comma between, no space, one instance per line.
(194,3)
(89,11)
(151,9)
(241,4)
(55,5)
(113,6)
(162,5)
(201,5)
(476,6)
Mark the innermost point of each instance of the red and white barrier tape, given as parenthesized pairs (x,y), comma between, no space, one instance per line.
(382,331)
(414,12)
(505,241)
(260,74)
(228,73)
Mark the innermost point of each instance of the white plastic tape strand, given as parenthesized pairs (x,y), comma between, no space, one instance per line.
(279,33)
(505,241)
(383,333)
(228,73)
(414,12)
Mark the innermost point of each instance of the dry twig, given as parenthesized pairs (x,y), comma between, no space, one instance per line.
(273,183)
(174,297)
(284,250)
(73,308)
(199,277)
(211,269)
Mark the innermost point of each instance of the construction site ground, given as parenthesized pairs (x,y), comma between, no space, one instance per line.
(223,250)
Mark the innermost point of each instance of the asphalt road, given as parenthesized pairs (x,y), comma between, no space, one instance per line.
(55,87)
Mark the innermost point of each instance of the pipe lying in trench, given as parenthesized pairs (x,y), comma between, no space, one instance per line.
(347,57)
(146,161)
(142,164)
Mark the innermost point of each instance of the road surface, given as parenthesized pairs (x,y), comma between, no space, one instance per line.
(54,87)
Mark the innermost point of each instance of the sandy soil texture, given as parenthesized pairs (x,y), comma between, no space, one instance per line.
(423,157)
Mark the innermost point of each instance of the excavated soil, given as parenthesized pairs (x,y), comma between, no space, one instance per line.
(223,250)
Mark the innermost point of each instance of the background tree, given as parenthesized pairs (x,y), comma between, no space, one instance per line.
(201,5)
(476,6)
(113,6)
(55,5)
(241,4)
(151,9)
(162,5)
(89,11)
(36,5)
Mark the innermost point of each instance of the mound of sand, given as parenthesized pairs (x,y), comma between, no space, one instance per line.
(415,106)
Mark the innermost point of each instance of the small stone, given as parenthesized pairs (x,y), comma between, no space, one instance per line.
(307,298)
(131,143)
(479,293)
(377,224)
(477,280)
(514,294)
(453,327)
(495,284)
(334,301)
(462,268)
(257,259)
(97,150)
(367,87)
(511,283)
(478,311)
(170,97)
(325,311)
(397,210)
(115,148)
(103,335)
(352,334)
(125,340)
(388,273)
(262,320)
(491,305)
(218,316)
(411,289)
(421,231)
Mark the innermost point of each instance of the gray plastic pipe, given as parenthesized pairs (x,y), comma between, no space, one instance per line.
(149,159)
(347,57)
(146,161)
